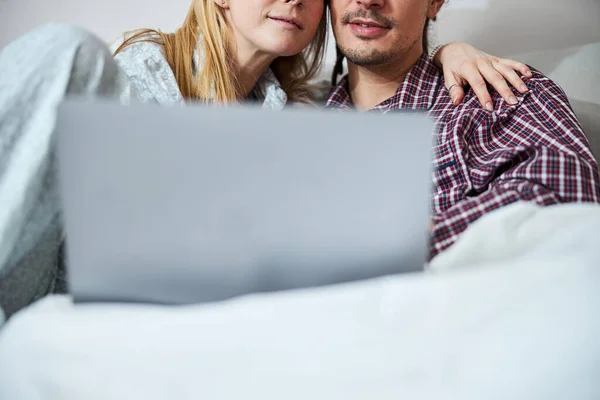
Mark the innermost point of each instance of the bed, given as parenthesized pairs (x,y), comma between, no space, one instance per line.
(517,317)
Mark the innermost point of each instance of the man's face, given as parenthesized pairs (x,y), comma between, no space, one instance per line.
(380,32)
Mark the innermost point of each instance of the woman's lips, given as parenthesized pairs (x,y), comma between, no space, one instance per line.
(289,22)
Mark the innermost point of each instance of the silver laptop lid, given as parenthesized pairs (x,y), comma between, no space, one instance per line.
(194,204)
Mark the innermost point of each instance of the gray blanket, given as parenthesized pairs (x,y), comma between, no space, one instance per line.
(36,72)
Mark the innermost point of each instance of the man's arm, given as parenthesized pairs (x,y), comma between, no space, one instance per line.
(537,153)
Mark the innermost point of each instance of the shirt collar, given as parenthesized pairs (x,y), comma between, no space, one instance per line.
(417,91)
(269,91)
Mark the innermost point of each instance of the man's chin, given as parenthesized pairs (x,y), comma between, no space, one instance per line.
(367,57)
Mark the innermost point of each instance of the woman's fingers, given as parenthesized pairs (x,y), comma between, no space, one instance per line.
(511,76)
(499,80)
(454,87)
(473,75)
(516,66)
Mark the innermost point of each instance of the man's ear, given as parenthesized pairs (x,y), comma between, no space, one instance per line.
(434,8)
(222,3)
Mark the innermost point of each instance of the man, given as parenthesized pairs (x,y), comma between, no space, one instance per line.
(531,148)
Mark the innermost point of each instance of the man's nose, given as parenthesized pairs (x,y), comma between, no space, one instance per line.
(370,4)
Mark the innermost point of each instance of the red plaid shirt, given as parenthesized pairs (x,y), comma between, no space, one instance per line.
(532,151)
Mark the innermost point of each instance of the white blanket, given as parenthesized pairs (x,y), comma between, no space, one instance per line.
(511,311)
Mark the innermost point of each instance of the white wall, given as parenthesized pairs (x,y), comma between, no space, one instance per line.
(521,26)
(501,27)
(505,27)
(107,18)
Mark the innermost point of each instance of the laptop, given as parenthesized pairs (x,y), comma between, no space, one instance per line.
(180,205)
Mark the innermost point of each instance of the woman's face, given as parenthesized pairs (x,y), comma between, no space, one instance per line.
(279,28)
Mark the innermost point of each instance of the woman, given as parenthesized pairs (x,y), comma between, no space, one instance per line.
(227,51)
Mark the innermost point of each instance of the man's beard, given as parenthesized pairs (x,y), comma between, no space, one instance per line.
(368,57)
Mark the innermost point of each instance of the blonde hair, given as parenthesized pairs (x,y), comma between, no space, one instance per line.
(216,81)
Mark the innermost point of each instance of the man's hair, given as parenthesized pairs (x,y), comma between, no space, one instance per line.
(426,36)
(338,68)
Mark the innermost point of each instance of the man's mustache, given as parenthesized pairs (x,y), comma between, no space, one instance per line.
(368,14)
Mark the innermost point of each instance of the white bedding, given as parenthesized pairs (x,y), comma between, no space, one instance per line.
(512,311)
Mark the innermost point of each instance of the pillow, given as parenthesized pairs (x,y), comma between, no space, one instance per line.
(589,117)
(576,71)
(504,27)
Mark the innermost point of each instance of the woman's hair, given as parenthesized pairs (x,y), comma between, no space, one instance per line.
(216,79)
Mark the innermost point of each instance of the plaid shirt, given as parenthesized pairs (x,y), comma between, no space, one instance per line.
(531,151)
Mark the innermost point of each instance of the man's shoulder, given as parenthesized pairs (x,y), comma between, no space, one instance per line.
(545,104)
(538,85)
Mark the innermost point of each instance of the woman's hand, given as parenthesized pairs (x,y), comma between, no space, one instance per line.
(464,64)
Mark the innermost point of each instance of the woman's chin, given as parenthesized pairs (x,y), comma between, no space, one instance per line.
(289,54)
(286,49)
